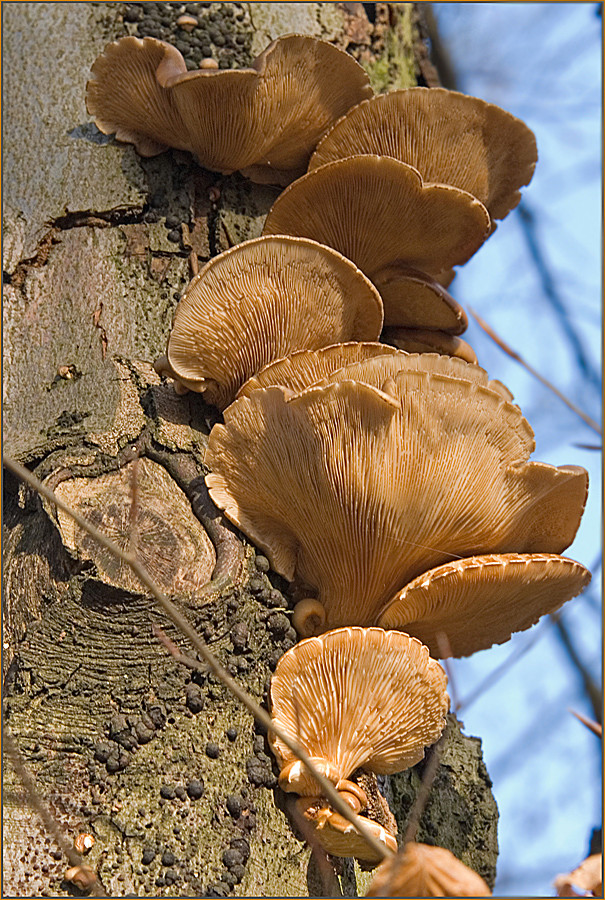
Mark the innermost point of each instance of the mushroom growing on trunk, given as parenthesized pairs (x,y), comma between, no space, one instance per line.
(259,301)
(379,212)
(264,121)
(398,465)
(449,137)
(354,698)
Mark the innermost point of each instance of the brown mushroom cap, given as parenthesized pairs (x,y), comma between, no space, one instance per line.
(305,367)
(337,835)
(379,371)
(358,697)
(261,300)
(449,137)
(418,340)
(481,601)
(264,120)
(378,212)
(437,462)
(420,870)
(413,299)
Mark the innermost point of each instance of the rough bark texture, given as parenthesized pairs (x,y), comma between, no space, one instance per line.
(160,764)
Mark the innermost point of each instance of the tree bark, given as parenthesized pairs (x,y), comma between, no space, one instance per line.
(121,737)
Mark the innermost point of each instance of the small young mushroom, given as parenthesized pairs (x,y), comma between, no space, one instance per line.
(264,120)
(480,601)
(356,697)
(421,870)
(298,473)
(380,213)
(309,617)
(449,137)
(259,301)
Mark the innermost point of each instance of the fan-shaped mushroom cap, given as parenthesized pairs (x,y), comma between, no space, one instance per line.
(358,697)
(449,137)
(264,120)
(305,367)
(338,836)
(482,600)
(436,462)
(420,870)
(412,299)
(261,300)
(379,371)
(378,212)
(418,340)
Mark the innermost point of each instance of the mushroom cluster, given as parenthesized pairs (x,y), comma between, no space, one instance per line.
(264,121)
(354,698)
(392,484)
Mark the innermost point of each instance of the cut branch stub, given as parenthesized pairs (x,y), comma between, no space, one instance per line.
(168,539)
(378,212)
(260,301)
(480,601)
(449,137)
(298,474)
(264,121)
(357,697)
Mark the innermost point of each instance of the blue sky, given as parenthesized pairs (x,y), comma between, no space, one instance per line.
(542,62)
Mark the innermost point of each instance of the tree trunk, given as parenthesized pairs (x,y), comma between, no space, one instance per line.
(120,736)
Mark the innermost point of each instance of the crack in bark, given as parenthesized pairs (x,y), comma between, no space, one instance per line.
(229,550)
(119,215)
(87,218)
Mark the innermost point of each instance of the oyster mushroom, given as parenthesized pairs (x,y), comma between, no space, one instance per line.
(354,698)
(264,121)
(480,601)
(419,340)
(449,137)
(259,301)
(305,367)
(380,213)
(410,296)
(302,474)
(420,870)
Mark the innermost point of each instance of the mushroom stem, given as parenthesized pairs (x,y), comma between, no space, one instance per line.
(309,617)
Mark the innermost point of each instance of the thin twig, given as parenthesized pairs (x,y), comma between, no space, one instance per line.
(189,631)
(174,651)
(134,507)
(592,726)
(445,652)
(553,296)
(33,798)
(502,669)
(514,355)
(428,776)
(590,686)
